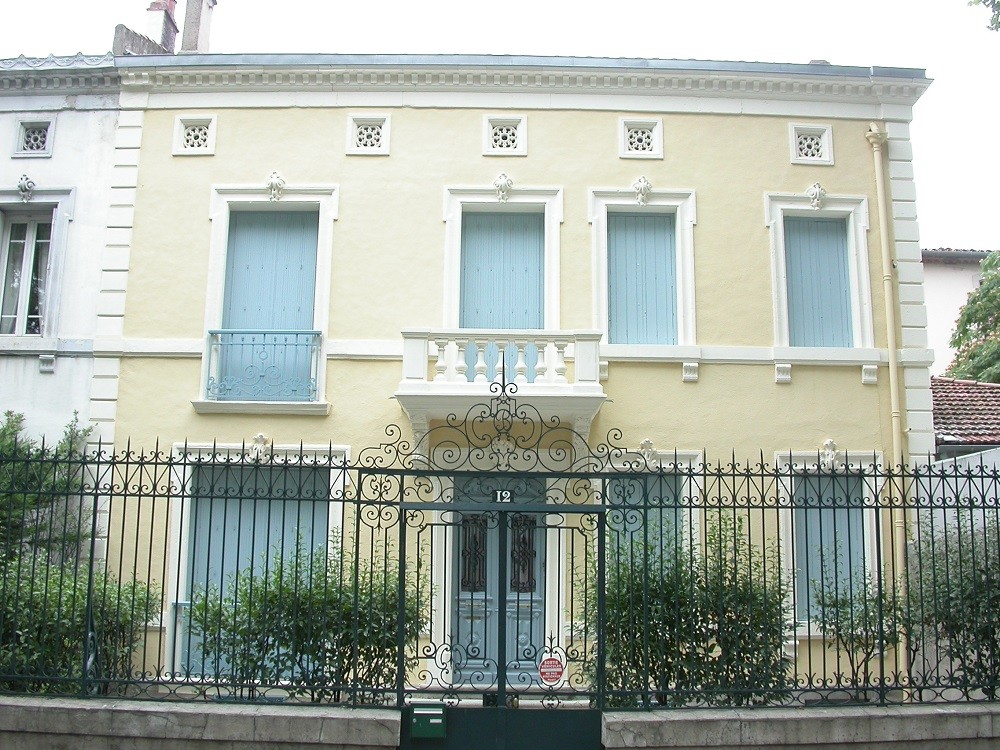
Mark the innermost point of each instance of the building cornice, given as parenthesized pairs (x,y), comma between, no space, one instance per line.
(521,74)
(74,74)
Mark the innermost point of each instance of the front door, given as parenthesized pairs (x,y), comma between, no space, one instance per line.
(498,611)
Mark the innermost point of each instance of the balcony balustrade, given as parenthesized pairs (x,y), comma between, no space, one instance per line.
(446,370)
(254,365)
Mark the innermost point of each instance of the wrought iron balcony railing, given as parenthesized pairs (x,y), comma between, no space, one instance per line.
(255,365)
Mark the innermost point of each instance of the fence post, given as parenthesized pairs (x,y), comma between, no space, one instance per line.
(91,664)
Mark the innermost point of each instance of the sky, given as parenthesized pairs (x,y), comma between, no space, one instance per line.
(956,157)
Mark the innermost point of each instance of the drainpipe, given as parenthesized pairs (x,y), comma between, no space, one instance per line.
(877,138)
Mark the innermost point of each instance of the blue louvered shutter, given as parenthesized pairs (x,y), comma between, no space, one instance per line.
(502,280)
(502,270)
(642,279)
(242,519)
(829,539)
(818,282)
(271,270)
(269,296)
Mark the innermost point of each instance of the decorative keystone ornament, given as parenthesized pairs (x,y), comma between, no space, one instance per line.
(642,188)
(829,456)
(504,185)
(26,187)
(275,186)
(816,193)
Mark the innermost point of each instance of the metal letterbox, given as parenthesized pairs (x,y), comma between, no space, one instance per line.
(428,722)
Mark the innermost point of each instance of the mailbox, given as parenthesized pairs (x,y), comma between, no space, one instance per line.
(428,722)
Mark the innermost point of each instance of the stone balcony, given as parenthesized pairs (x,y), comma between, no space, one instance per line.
(446,372)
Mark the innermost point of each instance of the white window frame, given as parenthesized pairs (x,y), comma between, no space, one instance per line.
(518,122)
(825,133)
(654,124)
(790,464)
(546,200)
(60,203)
(183,122)
(29,123)
(208,454)
(683,205)
(853,209)
(226,199)
(356,121)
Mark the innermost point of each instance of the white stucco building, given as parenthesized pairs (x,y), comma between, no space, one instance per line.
(949,276)
(57,130)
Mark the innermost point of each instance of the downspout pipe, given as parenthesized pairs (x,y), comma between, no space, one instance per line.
(877,137)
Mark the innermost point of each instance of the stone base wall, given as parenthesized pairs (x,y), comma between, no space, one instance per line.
(938,727)
(73,724)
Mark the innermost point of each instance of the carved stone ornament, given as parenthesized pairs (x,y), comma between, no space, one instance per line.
(642,188)
(504,185)
(275,185)
(647,451)
(260,447)
(816,193)
(829,456)
(26,187)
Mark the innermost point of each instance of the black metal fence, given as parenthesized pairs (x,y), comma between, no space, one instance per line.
(643,581)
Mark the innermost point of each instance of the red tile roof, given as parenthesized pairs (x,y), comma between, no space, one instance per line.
(966,411)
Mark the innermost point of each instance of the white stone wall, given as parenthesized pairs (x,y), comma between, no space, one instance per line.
(946,287)
(75,181)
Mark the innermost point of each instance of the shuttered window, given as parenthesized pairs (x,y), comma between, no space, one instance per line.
(502,270)
(642,280)
(818,282)
(829,540)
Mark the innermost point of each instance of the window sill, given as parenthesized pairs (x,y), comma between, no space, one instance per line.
(302,408)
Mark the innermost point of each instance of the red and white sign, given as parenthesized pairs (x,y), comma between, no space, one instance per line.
(550,671)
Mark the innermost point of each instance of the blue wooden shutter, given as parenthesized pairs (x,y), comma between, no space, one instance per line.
(829,538)
(502,280)
(503,261)
(818,282)
(270,289)
(271,270)
(242,519)
(642,279)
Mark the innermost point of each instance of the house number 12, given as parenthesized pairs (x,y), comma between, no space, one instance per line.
(502,496)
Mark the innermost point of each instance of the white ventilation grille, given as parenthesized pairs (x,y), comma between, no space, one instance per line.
(505,136)
(194,135)
(368,134)
(811,144)
(640,139)
(34,139)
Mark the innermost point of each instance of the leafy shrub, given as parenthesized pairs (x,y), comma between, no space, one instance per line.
(705,625)
(40,504)
(43,624)
(317,625)
(955,594)
(862,618)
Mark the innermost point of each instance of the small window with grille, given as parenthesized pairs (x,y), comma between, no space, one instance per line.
(640,139)
(34,138)
(811,144)
(368,135)
(194,135)
(505,135)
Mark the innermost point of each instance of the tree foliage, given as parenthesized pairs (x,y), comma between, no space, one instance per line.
(40,491)
(993,6)
(977,331)
(704,627)
(320,625)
